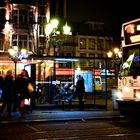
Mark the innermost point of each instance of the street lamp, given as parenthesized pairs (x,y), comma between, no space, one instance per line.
(52,32)
(16,54)
(116,54)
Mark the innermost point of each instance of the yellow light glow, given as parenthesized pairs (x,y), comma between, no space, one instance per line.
(109,54)
(67,29)
(48,29)
(15,48)
(78,68)
(54,23)
(119,95)
(138,95)
(11,51)
(116,50)
(126,89)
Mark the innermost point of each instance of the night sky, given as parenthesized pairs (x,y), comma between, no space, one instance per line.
(112,12)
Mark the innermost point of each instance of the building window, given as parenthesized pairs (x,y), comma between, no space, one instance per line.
(92,44)
(68,54)
(41,31)
(100,55)
(91,61)
(100,44)
(91,55)
(23,15)
(82,54)
(30,46)
(22,43)
(108,44)
(31,17)
(14,16)
(82,63)
(82,43)
(42,19)
(14,40)
(69,64)
(1,42)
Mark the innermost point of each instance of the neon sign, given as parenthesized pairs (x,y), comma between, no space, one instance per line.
(136,59)
(135,38)
(132,32)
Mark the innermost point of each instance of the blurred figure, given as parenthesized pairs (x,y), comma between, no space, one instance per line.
(52,92)
(7,96)
(1,86)
(63,89)
(22,90)
(71,93)
(80,90)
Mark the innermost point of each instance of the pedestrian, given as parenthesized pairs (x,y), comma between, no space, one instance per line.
(23,92)
(7,97)
(1,86)
(80,90)
(52,92)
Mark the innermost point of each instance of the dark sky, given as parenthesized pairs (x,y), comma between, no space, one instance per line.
(121,10)
(112,12)
(90,9)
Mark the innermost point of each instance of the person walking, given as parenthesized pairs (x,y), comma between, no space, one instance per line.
(1,86)
(7,96)
(23,92)
(80,90)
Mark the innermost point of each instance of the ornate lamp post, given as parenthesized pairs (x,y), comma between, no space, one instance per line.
(16,54)
(116,54)
(52,33)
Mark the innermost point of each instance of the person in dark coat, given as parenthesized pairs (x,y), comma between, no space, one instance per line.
(7,97)
(80,90)
(22,90)
(1,86)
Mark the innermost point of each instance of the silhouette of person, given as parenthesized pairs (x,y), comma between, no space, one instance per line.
(80,90)
(22,90)
(7,96)
(1,86)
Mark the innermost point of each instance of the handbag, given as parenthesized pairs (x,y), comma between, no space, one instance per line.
(30,88)
(27,101)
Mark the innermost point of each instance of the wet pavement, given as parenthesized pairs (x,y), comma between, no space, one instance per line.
(58,115)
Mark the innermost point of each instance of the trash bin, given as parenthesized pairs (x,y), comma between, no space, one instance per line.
(113,96)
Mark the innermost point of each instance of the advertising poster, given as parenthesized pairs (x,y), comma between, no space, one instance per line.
(87,79)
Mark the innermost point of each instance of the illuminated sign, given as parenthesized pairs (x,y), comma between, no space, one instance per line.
(88,79)
(137,59)
(135,38)
(132,32)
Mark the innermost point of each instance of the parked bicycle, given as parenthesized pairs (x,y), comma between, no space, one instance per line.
(41,95)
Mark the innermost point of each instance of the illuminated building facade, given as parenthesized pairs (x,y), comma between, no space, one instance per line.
(23,25)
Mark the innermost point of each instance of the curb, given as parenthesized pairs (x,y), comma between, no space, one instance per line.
(22,120)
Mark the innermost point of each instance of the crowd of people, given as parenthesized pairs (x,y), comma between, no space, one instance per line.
(15,93)
(17,96)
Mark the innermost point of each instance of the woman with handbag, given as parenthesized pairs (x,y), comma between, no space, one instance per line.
(23,92)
